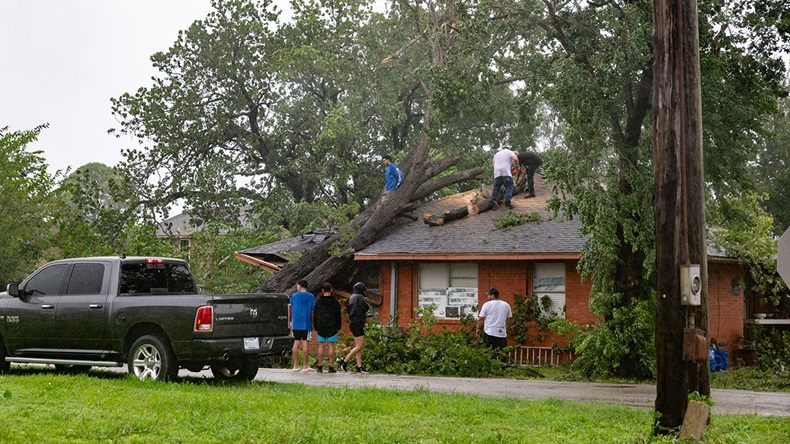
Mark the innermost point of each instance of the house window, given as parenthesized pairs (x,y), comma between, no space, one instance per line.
(452,287)
(549,281)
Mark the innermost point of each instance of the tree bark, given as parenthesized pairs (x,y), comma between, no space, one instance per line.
(679,203)
(318,264)
(448,216)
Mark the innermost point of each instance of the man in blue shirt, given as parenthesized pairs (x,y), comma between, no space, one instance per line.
(302,304)
(392,176)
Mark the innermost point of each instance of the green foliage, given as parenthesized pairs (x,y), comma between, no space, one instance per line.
(746,234)
(624,346)
(773,348)
(26,204)
(751,379)
(512,219)
(213,264)
(421,350)
(531,313)
(695,396)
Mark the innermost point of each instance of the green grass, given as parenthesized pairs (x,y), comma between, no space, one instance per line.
(43,406)
(732,378)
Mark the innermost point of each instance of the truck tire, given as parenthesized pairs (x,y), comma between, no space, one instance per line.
(151,357)
(5,366)
(245,370)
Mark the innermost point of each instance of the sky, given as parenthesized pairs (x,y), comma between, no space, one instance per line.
(62,60)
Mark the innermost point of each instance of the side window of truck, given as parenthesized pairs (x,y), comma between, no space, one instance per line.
(86,279)
(161,279)
(47,281)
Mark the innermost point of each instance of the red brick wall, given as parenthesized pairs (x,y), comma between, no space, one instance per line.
(725,310)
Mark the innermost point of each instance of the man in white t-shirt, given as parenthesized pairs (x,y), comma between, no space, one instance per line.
(494,317)
(503,176)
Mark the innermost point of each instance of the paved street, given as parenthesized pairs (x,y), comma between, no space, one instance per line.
(635,395)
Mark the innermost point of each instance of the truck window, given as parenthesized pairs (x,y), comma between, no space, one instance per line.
(159,279)
(47,281)
(86,279)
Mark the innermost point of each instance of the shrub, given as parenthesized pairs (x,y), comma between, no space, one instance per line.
(419,350)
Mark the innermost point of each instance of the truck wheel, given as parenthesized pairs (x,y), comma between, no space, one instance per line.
(244,370)
(5,366)
(151,357)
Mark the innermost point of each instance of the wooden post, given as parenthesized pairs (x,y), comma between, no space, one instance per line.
(679,205)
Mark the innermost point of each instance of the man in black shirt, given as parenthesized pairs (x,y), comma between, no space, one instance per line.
(531,161)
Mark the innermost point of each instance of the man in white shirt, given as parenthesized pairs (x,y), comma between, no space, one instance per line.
(503,176)
(494,317)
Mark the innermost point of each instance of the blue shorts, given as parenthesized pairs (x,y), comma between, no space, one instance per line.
(329,339)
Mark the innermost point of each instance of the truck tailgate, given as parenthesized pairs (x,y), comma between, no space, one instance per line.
(248,315)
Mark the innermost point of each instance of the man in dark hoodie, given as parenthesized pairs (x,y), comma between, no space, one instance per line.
(357,310)
(326,320)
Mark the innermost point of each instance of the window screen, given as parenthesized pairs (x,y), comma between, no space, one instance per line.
(451,287)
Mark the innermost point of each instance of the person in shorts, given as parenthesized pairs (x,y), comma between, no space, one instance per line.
(357,310)
(326,319)
(302,304)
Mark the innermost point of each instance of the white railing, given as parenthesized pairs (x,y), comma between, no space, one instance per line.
(538,356)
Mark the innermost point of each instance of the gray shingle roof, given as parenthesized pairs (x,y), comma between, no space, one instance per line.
(477,234)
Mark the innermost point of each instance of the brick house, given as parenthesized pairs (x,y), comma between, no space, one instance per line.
(455,264)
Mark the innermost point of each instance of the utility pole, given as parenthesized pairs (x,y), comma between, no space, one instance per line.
(679,210)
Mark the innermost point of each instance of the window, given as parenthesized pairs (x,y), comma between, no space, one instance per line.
(47,281)
(156,279)
(549,281)
(452,287)
(86,279)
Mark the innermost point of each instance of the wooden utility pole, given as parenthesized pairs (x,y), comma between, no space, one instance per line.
(679,204)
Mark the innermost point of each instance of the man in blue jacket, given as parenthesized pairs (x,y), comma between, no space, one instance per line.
(392,176)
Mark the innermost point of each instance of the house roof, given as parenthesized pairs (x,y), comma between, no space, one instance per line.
(281,249)
(183,225)
(476,235)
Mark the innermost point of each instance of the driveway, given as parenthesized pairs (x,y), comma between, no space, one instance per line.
(733,402)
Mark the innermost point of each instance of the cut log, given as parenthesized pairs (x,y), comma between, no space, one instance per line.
(481,207)
(449,215)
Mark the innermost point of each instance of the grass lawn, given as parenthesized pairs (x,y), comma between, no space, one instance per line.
(40,406)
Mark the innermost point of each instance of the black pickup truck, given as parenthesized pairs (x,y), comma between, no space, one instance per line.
(142,312)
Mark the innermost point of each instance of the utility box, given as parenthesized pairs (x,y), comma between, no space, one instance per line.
(690,285)
(695,345)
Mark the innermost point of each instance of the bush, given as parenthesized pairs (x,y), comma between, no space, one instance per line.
(773,347)
(419,350)
(624,346)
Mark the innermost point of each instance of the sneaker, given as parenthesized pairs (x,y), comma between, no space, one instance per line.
(319,369)
(529,195)
(331,369)
(343,365)
(508,206)
(494,206)
(361,370)
(307,369)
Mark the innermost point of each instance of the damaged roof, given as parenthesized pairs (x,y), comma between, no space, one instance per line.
(477,236)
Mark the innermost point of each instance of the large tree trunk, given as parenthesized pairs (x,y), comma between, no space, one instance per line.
(679,204)
(421,179)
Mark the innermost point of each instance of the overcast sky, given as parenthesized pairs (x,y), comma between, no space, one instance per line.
(62,60)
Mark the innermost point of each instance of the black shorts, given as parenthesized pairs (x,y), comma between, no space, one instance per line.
(495,342)
(357,329)
(300,335)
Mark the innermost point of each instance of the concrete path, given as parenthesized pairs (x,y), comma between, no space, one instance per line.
(735,402)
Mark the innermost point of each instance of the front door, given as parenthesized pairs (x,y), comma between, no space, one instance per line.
(81,316)
(30,318)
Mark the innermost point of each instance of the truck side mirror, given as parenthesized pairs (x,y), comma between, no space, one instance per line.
(13,290)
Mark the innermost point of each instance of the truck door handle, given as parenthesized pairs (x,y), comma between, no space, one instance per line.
(94,306)
(47,306)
